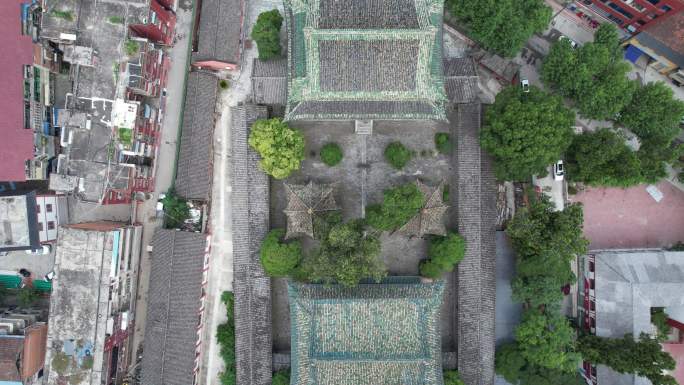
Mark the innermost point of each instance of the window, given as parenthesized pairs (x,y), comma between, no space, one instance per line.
(48,208)
(591,284)
(591,266)
(38,209)
(666,8)
(40,226)
(51,225)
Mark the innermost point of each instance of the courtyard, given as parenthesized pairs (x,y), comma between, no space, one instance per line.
(359,180)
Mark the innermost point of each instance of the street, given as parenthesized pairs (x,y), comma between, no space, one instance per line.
(146,210)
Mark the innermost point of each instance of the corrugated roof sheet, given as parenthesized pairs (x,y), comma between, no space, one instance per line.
(194,172)
(173,308)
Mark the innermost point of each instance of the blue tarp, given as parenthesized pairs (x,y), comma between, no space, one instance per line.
(633,53)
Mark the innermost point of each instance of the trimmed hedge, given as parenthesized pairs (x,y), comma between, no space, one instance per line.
(443,143)
(331,154)
(399,205)
(278,258)
(444,253)
(397,155)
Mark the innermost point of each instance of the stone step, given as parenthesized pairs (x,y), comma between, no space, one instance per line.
(363,127)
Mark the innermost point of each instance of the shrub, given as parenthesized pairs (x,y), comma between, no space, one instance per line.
(176,210)
(223,84)
(278,258)
(27,297)
(346,256)
(445,193)
(399,205)
(281,378)
(451,377)
(131,47)
(397,155)
(444,253)
(225,336)
(281,147)
(659,319)
(331,154)
(116,19)
(443,143)
(266,33)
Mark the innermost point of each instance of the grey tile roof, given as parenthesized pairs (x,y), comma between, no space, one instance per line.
(461,80)
(476,207)
(320,109)
(627,284)
(252,288)
(368,14)
(173,308)
(194,172)
(220,29)
(269,82)
(367,66)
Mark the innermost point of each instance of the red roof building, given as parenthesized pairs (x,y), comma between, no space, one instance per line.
(16,146)
(160,25)
(635,15)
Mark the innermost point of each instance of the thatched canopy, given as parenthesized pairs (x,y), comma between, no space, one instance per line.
(430,218)
(303,203)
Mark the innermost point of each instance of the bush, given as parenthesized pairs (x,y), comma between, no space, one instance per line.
(443,143)
(659,319)
(176,210)
(27,297)
(399,205)
(225,336)
(445,193)
(397,155)
(331,154)
(278,258)
(451,377)
(347,255)
(281,147)
(444,253)
(281,378)
(223,84)
(266,33)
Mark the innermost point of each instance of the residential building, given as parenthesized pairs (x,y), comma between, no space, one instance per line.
(220,35)
(386,65)
(17,146)
(194,172)
(93,303)
(662,44)
(19,230)
(22,354)
(635,15)
(51,210)
(619,289)
(367,334)
(159,25)
(175,308)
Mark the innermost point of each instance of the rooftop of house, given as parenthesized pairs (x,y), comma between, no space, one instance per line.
(365,60)
(375,333)
(628,284)
(19,230)
(173,305)
(78,305)
(220,28)
(17,144)
(666,37)
(193,179)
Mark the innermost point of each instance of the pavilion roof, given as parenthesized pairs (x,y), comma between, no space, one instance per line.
(430,218)
(303,203)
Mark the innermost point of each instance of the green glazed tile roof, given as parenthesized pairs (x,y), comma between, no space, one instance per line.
(365,59)
(379,334)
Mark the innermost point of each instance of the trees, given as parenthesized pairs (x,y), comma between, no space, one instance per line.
(511,365)
(594,75)
(281,147)
(502,26)
(266,33)
(281,377)
(346,256)
(27,296)
(644,357)
(443,143)
(546,339)
(225,336)
(526,132)
(278,258)
(399,205)
(176,210)
(451,377)
(397,155)
(602,158)
(653,112)
(331,154)
(444,253)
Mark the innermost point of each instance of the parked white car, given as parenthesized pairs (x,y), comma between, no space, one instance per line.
(558,170)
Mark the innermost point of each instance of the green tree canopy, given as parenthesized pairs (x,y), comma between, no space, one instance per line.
(444,253)
(451,377)
(225,336)
(346,256)
(547,340)
(602,158)
(654,112)
(644,357)
(176,210)
(502,26)
(277,257)
(281,147)
(545,242)
(266,33)
(594,75)
(399,205)
(525,132)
